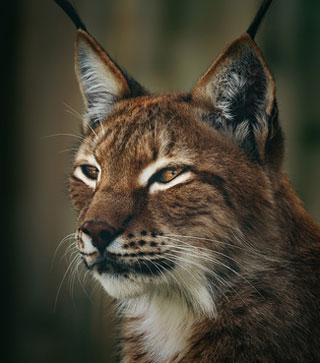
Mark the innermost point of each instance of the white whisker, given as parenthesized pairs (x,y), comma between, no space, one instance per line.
(201,267)
(73,111)
(70,135)
(61,283)
(207,239)
(220,263)
(187,247)
(65,239)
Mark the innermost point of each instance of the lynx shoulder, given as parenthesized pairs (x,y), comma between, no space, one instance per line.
(186,216)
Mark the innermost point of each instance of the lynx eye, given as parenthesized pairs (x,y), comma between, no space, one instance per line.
(166,175)
(90,171)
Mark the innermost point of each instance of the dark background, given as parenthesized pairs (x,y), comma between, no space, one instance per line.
(166,45)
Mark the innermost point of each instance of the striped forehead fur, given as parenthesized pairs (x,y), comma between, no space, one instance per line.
(138,131)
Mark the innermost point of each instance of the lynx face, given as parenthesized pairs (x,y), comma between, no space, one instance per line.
(169,188)
(160,174)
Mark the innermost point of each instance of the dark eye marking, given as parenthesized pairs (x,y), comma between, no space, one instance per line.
(76,179)
(169,173)
(90,171)
(217,182)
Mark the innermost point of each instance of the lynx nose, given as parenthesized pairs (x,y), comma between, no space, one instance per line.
(101,234)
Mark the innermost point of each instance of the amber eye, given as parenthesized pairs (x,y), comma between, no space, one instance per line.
(166,175)
(90,171)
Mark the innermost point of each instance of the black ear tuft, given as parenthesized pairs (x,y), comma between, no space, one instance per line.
(70,11)
(102,82)
(254,26)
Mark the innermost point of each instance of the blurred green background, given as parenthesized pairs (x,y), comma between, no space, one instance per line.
(49,314)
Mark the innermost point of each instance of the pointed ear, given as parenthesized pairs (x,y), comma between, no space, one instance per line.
(238,95)
(101,81)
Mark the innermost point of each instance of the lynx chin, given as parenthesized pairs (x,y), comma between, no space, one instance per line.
(185,214)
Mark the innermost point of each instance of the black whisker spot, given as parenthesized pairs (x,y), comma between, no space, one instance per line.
(142,242)
(143,233)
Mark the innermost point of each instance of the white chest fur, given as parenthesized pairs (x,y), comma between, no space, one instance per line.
(165,327)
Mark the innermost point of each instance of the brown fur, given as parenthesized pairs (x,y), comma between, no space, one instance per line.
(243,234)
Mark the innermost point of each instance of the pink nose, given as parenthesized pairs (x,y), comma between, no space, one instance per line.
(100,232)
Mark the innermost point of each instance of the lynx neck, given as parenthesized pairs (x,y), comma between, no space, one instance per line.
(162,330)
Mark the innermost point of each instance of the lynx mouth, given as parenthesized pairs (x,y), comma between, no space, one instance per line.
(111,264)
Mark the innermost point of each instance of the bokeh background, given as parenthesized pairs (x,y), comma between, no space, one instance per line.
(50,313)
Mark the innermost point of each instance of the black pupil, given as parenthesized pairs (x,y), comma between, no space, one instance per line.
(89,171)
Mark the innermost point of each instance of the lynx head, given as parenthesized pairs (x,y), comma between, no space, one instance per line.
(171,188)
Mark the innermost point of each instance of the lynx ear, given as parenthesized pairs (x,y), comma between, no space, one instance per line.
(101,81)
(239,93)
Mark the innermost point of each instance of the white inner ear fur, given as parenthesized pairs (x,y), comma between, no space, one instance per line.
(97,81)
(85,159)
(232,85)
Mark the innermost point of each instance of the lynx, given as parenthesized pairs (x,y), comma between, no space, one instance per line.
(186,216)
